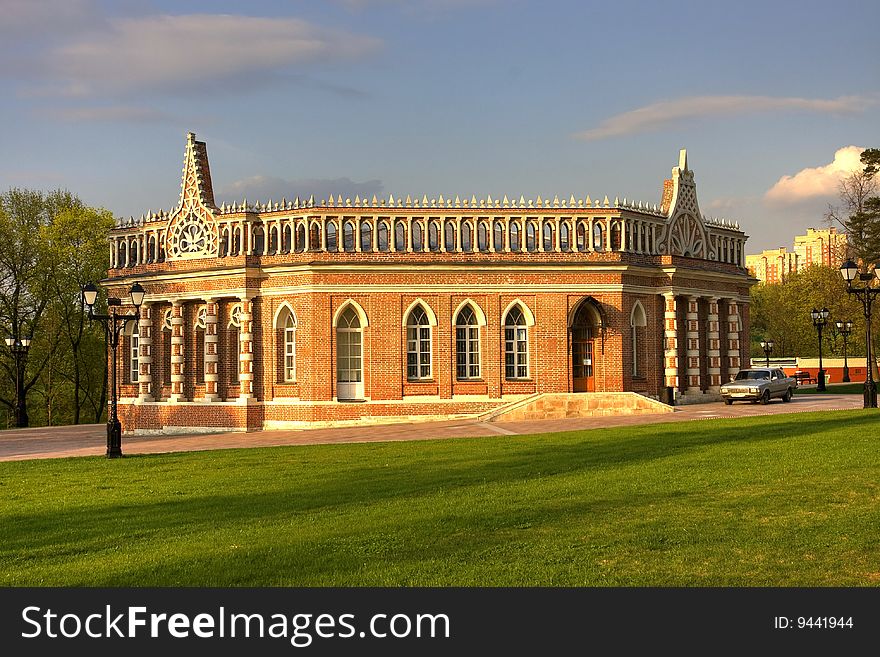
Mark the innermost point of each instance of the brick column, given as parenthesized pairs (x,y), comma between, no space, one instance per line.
(670,333)
(713,340)
(733,336)
(211,355)
(177,352)
(692,335)
(145,353)
(246,350)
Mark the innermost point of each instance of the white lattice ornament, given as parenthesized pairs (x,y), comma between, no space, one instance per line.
(191,236)
(686,237)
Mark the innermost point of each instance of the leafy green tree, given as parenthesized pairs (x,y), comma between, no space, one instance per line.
(859,213)
(50,245)
(781,312)
(76,242)
(24,289)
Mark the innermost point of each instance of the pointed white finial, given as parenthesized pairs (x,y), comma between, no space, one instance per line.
(589,201)
(357,200)
(556,201)
(522,201)
(606,203)
(538,202)
(425,201)
(473,200)
(505,202)
(571,201)
(457,201)
(408,201)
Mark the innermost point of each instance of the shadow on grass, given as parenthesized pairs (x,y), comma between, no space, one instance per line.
(367,474)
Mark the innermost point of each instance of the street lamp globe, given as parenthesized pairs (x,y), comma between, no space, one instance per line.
(90,294)
(849,270)
(137,295)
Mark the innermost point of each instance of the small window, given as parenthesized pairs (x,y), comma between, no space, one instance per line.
(467,345)
(516,345)
(418,345)
(332,244)
(290,349)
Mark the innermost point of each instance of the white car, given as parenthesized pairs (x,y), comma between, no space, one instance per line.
(759,384)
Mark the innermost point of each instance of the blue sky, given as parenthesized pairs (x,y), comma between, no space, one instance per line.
(452,97)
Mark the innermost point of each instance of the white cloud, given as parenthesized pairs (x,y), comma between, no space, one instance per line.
(657,115)
(263,188)
(169,52)
(815,182)
(27,19)
(417,5)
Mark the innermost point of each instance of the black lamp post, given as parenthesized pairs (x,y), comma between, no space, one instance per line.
(114,323)
(864,293)
(844,328)
(820,319)
(767,346)
(19,348)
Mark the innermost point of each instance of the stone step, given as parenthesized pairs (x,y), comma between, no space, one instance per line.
(554,406)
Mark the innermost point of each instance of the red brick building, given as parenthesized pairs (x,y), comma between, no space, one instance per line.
(302,312)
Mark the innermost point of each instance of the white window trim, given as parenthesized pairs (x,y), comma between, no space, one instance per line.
(515,327)
(290,350)
(479,358)
(430,375)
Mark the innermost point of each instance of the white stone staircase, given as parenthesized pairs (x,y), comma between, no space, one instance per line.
(555,406)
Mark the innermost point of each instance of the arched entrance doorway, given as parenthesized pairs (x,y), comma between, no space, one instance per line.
(349,356)
(585,327)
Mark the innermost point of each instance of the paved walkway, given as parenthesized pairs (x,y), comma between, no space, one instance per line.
(91,439)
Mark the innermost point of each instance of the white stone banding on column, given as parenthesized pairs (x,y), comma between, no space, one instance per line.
(733,330)
(670,340)
(246,350)
(713,345)
(145,353)
(177,352)
(211,355)
(692,335)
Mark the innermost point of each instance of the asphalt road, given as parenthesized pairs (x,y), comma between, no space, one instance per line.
(91,439)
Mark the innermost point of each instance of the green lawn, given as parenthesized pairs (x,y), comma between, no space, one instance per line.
(779,500)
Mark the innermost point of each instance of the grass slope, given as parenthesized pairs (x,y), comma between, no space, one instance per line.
(778,500)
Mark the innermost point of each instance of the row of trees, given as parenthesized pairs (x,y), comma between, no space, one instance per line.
(781,312)
(50,245)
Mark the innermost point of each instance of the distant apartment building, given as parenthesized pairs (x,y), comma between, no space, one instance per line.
(819,246)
